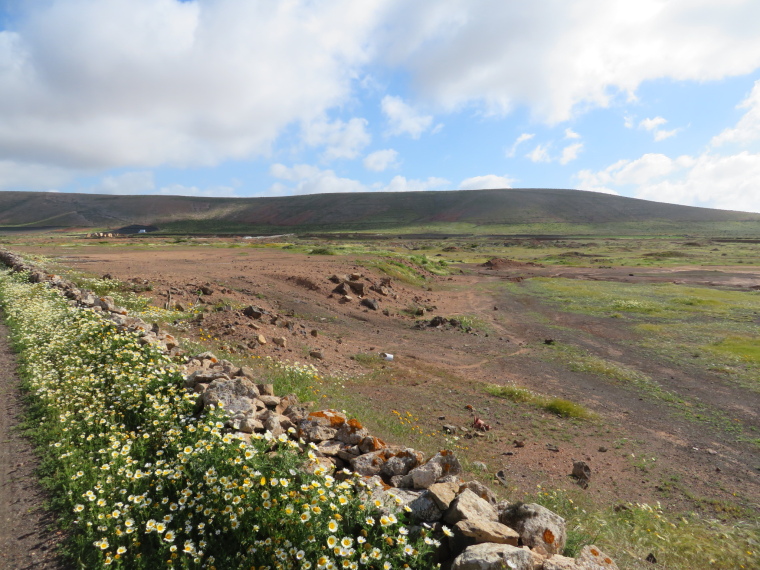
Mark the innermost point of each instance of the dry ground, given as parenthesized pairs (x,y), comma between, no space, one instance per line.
(653,452)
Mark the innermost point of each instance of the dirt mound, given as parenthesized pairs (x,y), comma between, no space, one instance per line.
(503,263)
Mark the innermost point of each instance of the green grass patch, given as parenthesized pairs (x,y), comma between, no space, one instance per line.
(396,270)
(558,406)
(745,349)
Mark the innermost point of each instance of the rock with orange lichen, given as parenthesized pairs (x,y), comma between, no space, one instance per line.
(591,558)
(537,525)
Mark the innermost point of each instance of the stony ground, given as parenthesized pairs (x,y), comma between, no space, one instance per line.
(640,449)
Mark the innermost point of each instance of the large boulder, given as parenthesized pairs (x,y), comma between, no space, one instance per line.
(489,556)
(537,525)
(235,395)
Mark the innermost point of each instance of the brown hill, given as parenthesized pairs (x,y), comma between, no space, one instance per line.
(345,211)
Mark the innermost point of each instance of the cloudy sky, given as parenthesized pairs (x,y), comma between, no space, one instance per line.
(655,99)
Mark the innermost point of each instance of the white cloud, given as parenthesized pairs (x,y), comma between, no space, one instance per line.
(540,154)
(128,183)
(18,175)
(747,130)
(652,124)
(211,192)
(571,134)
(561,58)
(86,84)
(486,182)
(143,182)
(727,182)
(342,140)
(521,139)
(403,119)
(662,135)
(310,179)
(401,184)
(381,160)
(709,180)
(570,152)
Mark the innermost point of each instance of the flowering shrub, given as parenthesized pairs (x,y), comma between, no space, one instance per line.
(143,481)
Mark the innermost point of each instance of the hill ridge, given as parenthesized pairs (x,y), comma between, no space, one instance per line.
(348,210)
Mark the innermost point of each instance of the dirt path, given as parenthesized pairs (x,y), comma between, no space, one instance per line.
(25,541)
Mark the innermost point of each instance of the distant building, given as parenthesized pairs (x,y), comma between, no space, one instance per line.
(136,229)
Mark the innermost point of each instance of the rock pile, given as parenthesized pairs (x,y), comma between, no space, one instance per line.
(481,533)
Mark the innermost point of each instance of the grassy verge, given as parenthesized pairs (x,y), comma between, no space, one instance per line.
(143,482)
(634,530)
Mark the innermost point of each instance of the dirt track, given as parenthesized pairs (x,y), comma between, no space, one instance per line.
(439,371)
(25,541)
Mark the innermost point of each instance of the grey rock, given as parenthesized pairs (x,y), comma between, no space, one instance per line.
(351,432)
(592,558)
(369,464)
(444,493)
(401,462)
(426,475)
(537,525)
(490,556)
(468,506)
(481,491)
(316,433)
(487,531)
(425,509)
(236,395)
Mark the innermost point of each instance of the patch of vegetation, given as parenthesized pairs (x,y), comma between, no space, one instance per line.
(558,406)
(322,251)
(396,270)
(139,478)
(744,349)
(634,530)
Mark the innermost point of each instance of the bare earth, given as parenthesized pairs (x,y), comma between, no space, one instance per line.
(25,541)
(438,373)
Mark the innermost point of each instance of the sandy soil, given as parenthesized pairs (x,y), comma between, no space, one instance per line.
(25,539)
(438,374)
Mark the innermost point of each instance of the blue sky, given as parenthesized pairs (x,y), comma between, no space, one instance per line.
(655,99)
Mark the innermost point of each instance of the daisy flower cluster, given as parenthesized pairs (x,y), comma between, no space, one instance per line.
(144,481)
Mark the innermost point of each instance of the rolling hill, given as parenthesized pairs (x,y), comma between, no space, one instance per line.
(350,212)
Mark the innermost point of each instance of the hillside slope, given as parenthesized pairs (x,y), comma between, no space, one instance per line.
(346,211)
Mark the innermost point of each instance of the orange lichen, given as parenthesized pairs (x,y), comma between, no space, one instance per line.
(355,424)
(333,418)
(548,536)
(595,552)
